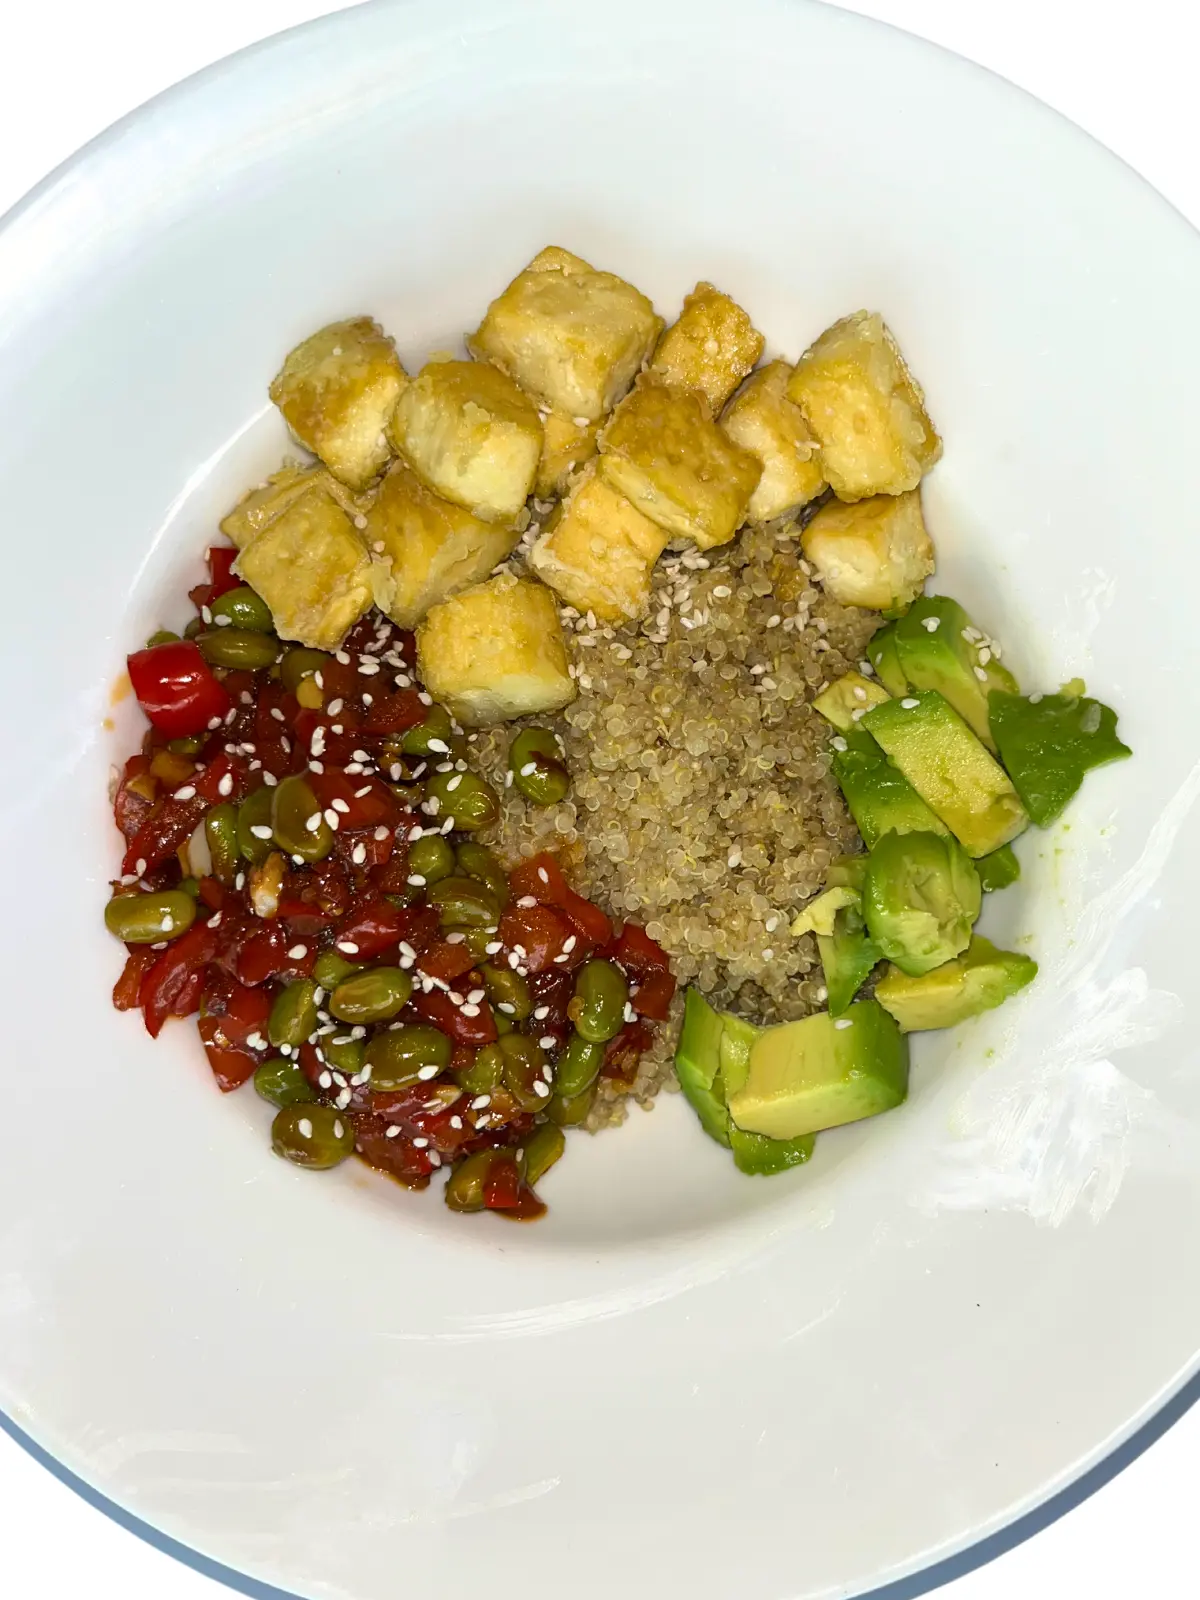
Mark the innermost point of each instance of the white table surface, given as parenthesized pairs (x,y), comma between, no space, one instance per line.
(1125,73)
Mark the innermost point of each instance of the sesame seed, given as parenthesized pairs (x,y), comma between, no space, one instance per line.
(261,831)
(547,1041)
(425,1073)
(456,1122)
(768,955)
(240,881)
(311,824)
(339,1131)
(347,947)
(542,1090)
(981,674)
(392,1132)
(722,592)
(439,747)
(475,996)
(434,1159)
(771,924)
(186,793)
(416,880)
(985,655)
(843,1022)
(298,952)
(331,817)
(304,1128)
(493,949)
(1036,699)
(480,1101)
(381,833)
(359,854)
(569,944)
(226,784)
(420,1142)
(325,1081)
(910,704)
(838,742)
(468,1010)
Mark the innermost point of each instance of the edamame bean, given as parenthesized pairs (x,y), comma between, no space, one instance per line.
(430,857)
(571,1113)
(601,994)
(437,729)
(299,664)
(343,1054)
(330,968)
(398,1056)
(194,627)
(544,1146)
(486,1072)
(535,759)
(476,940)
(244,608)
(293,1014)
(317,1137)
(508,989)
(578,1067)
(239,648)
(191,746)
(372,996)
(149,918)
(477,861)
(253,826)
(465,797)
(464,1189)
(161,636)
(526,1076)
(221,831)
(297,821)
(190,887)
(464,903)
(282,1083)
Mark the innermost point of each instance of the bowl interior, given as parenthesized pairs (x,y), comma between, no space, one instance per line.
(838,1374)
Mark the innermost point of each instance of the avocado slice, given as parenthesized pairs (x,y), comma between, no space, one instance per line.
(737,1039)
(949,768)
(819,915)
(880,798)
(978,980)
(921,898)
(884,656)
(754,1153)
(848,957)
(821,1073)
(698,1064)
(1050,742)
(939,648)
(999,869)
(846,700)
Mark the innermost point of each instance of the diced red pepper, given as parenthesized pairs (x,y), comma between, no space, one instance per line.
(375,927)
(395,1156)
(651,996)
(362,850)
(212,893)
(622,1053)
(232,1015)
(129,807)
(220,565)
(502,1185)
(208,782)
(332,749)
(541,876)
(267,954)
(167,980)
(447,961)
(273,745)
(176,688)
(637,952)
(394,713)
(438,1008)
(168,825)
(368,802)
(128,986)
(542,934)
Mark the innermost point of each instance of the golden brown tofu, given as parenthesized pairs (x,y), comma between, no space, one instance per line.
(598,551)
(495,652)
(565,448)
(764,421)
(425,548)
(711,348)
(312,569)
(469,434)
(571,336)
(865,408)
(663,451)
(259,508)
(337,391)
(872,553)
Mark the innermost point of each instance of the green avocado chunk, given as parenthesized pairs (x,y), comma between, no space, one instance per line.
(847,700)
(698,1064)
(980,979)
(881,800)
(848,957)
(949,768)
(761,1157)
(940,649)
(821,1073)
(1049,742)
(884,656)
(999,869)
(921,899)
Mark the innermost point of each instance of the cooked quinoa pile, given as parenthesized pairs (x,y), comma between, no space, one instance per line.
(701,800)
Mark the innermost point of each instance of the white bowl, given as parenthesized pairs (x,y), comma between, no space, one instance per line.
(683,1381)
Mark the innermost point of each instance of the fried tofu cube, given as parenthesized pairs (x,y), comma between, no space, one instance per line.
(764,421)
(865,408)
(711,348)
(337,391)
(312,569)
(425,548)
(495,652)
(259,508)
(573,337)
(567,444)
(598,551)
(873,553)
(663,451)
(471,436)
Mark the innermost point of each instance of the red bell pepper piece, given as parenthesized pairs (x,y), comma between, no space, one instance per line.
(502,1185)
(170,824)
(368,802)
(375,927)
(176,688)
(220,565)
(543,934)
(232,1015)
(651,996)
(395,1156)
(127,987)
(447,961)
(637,952)
(394,713)
(168,979)
(541,876)
(622,1053)
(438,1008)
(129,807)
(265,955)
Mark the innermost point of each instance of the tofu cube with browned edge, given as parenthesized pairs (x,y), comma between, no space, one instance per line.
(598,551)
(711,348)
(663,451)
(865,408)
(495,652)
(573,337)
(258,508)
(762,419)
(873,553)
(337,391)
(312,568)
(568,443)
(471,436)
(425,548)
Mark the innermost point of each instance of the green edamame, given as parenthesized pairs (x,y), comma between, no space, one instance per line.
(526,1075)
(578,1067)
(343,1054)
(244,608)
(299,664)
(293,1014)
(254,826)
(430,857)
(477,861)
(464,903)
(282,1083)
(398,1056)
(598,1007)
(437,730)
(573,1112)
(465,797)
(544,1146)
(297,821)
(150,918)
(464,1190)
(372,996)
(317,1137)
(221,831)
(330,968)
(161,636)
(535,759)
(191,746)
(508,990)
(241,649)
(486,1072)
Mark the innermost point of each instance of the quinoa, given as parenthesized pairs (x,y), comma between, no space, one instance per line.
(701,801)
